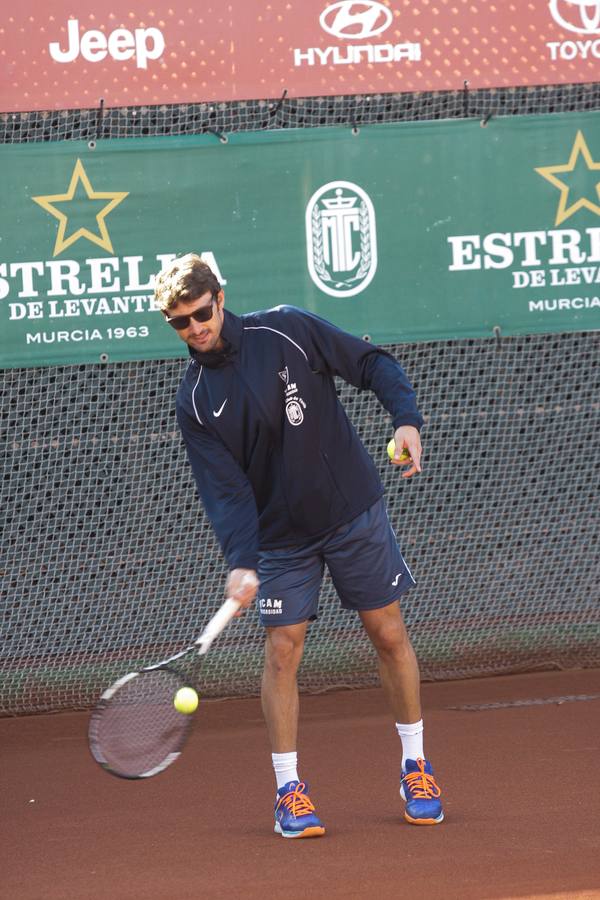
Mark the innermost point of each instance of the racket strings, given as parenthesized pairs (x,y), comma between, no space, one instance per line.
(137,731)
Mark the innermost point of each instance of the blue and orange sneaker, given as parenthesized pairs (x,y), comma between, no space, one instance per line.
(295,815)
(422,795)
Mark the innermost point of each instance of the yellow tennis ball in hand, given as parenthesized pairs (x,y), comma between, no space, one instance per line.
(186,700)
(391,449)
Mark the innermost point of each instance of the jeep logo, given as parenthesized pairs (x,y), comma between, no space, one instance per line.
(121,44)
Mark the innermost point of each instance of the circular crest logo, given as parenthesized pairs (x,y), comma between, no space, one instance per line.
(353,20)
(293,411)
(341,239)
(580,16)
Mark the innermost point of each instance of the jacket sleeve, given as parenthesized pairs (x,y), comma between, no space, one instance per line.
(225,493)
(366,366)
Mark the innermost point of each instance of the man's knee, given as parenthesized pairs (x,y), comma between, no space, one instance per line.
(387,632)
(283,648)
(392,640)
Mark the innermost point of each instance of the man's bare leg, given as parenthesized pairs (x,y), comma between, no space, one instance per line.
(279,693)
(398,666)
(295,815)
(399,673)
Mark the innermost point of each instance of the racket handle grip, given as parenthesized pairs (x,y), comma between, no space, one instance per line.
(216,625)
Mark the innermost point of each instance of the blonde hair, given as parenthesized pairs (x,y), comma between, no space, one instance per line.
(186,278)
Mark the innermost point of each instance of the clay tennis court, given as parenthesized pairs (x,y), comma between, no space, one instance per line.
(521,785)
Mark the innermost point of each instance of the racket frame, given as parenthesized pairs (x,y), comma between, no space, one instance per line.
(201,647)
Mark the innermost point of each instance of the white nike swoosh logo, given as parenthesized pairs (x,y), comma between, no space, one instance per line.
(218,413)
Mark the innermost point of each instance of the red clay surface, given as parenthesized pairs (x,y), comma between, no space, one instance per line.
(521,790)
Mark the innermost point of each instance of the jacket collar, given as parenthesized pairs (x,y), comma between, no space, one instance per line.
(231,333)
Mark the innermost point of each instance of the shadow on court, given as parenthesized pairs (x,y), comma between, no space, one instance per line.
(520,780)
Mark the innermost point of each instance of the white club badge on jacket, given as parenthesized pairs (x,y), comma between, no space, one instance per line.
(294,405)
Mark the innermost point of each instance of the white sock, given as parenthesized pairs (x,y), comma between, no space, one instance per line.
(412,740)
(285,766)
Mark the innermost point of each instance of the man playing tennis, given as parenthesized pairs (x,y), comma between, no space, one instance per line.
(289,488)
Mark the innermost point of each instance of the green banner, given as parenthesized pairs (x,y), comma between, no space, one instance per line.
(400,232)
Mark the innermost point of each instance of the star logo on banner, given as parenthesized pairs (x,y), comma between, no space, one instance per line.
(81,204)
(579,181)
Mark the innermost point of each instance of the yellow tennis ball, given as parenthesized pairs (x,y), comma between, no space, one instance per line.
(391,449)
(186,700)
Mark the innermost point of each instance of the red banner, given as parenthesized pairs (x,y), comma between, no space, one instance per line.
(73,54)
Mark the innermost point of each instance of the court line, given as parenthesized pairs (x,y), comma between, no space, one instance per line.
(538,701)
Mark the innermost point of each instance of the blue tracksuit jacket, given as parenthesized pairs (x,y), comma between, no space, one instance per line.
(275,458)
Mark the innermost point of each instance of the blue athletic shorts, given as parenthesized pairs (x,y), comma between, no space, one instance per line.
(363,558)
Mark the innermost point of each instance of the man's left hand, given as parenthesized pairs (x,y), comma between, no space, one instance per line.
(407,436)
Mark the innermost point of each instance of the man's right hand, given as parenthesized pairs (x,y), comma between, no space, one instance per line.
(242,585)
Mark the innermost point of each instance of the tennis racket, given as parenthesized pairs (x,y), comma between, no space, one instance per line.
(135,730)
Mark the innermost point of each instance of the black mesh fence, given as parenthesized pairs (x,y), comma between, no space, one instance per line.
(108,560)
(311,112)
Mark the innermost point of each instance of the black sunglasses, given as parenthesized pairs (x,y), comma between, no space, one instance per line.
(199,315)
